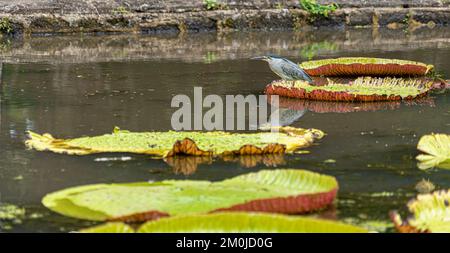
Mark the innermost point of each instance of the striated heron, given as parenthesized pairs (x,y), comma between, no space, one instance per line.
(284,68)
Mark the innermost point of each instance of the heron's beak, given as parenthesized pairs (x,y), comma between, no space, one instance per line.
(259,58)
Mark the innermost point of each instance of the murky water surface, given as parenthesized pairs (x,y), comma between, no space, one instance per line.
(74,86)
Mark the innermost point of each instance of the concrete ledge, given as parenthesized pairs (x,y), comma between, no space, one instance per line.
(43,17)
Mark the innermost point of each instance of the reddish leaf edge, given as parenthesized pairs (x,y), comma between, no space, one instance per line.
(368,69)
(298,204)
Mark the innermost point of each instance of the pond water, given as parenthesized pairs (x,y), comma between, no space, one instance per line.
(85,85)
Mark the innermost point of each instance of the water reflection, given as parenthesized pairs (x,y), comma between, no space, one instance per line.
(187,165)
(76,86)
(212,47)
(345,107)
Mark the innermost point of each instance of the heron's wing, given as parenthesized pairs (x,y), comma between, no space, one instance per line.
(294,70)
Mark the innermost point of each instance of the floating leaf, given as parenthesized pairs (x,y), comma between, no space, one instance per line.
(280,191)
(363,89)
(437,149)
(431,213)
(360,66)
(235,222)
(166,144)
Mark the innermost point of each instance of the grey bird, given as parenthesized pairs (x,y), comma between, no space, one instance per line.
(285,69)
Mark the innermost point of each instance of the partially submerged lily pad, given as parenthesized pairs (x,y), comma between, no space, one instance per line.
(430,213)
(437,151)
(361,66)
(279,191)
(235,222)
(362,89)
(166,144)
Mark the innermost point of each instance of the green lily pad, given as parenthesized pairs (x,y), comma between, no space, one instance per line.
(277,191)
(437,151)
(362,66)
(171,143)
(235,222)
(430,213)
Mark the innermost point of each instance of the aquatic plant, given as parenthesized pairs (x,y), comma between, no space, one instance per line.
(360,66)
(437,151)
(10,215)
(166,144)
(363,89)
(275,191)
(10,212)
(424,186)
(317,9)
(236,222)
(430,214)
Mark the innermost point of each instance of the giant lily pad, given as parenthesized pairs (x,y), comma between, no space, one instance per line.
(430,213)
(236,222)
(437,149)
(166,144)
(280,191)
(364,89)
(360,66)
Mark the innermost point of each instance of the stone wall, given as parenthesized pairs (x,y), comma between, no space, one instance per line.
(178,16)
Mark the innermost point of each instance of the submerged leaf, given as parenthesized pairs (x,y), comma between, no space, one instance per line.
(166,144)
(437,149)
(431,213)
(363,89)
(281,191)
(360,66)
(235,222)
